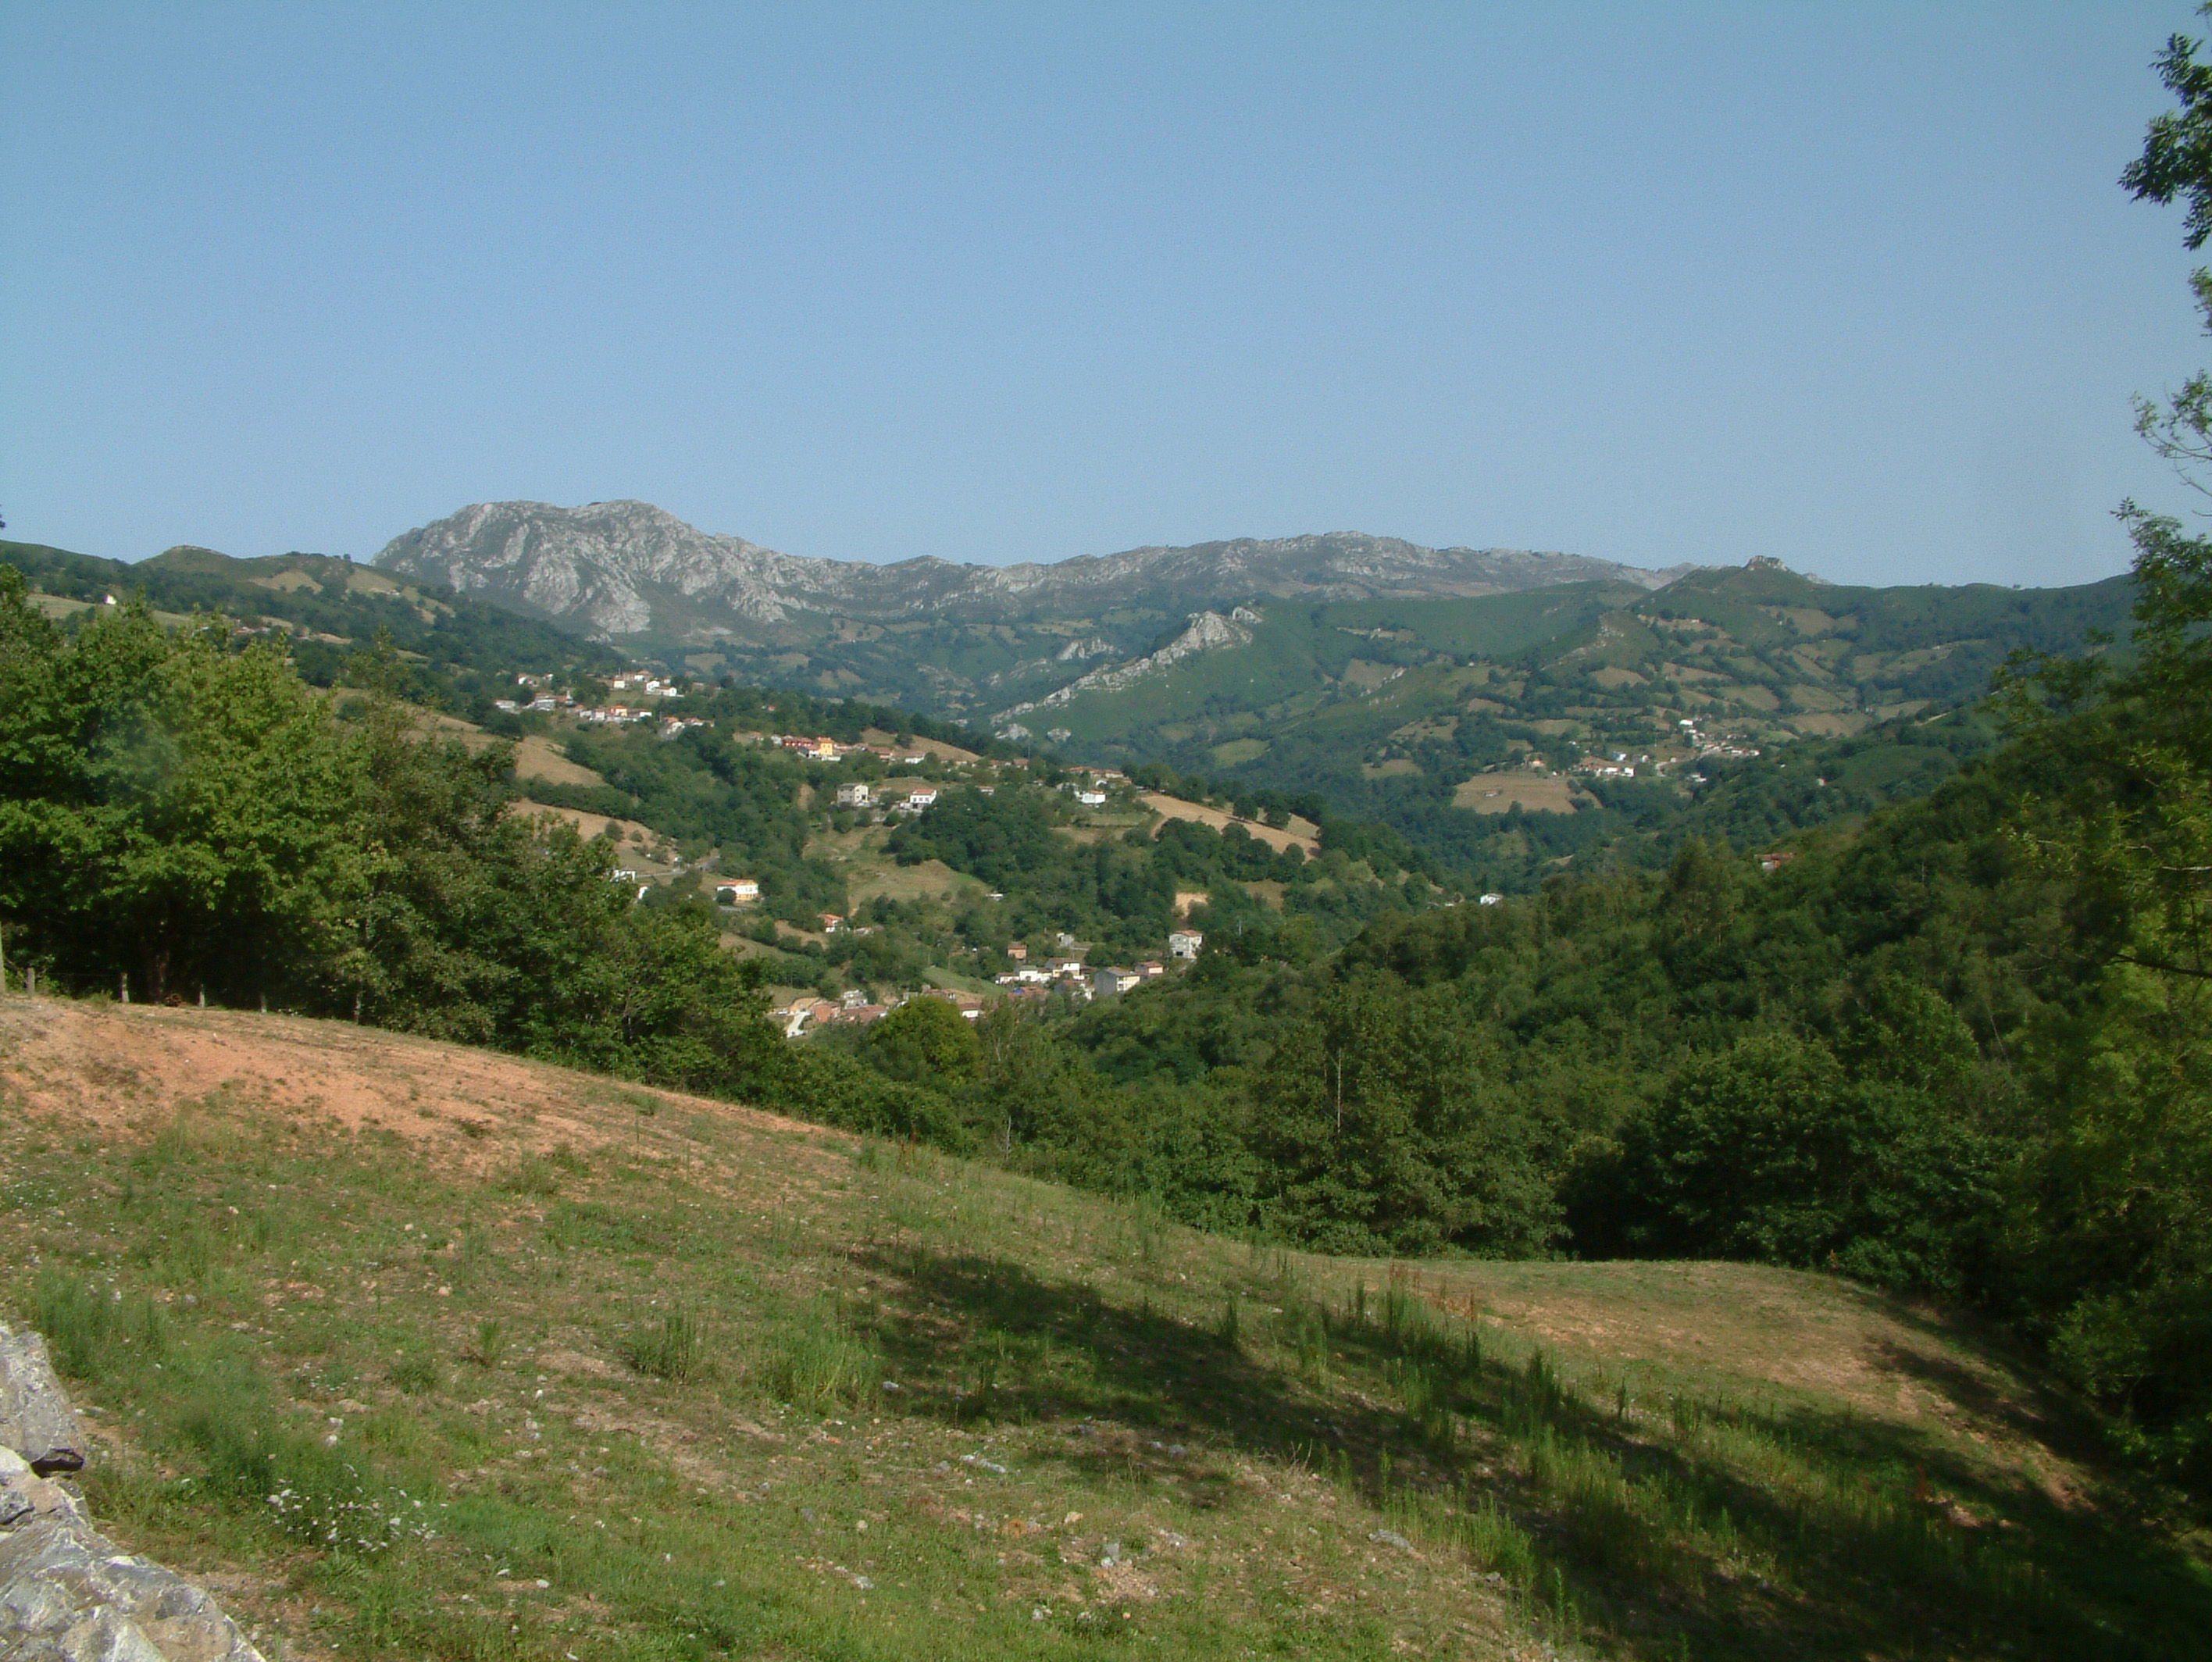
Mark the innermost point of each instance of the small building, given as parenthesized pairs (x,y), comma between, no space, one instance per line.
(739,891)
(795,1018)
(1151,969)
(1108,982)
(854,796)
(832,923)
(966,1003)
(1490,900)
(918,800)
(1091,798)
(1185,944)
(1018,951)
(1774,861)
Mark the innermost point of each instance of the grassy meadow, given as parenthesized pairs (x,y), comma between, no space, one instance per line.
(593,1372)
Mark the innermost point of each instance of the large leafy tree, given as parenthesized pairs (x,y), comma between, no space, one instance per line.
(171,809)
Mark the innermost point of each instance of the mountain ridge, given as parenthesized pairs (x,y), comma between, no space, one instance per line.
(629,569)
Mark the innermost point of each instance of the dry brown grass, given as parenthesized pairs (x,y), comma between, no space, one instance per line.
(1757,1326)
(931,880)
(127,1070)
(1534,792)
(1301,834)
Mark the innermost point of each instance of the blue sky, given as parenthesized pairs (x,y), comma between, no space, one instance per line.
(1849,285)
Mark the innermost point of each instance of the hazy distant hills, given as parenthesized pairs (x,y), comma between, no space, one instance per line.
(1438,690)
(331,608)
(1439,716)
(957,640)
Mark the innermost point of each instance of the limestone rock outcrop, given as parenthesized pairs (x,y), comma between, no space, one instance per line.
(623,570)
(36,1420)
(67,1592)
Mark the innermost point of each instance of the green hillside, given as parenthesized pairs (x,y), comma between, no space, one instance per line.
(413,1351)
(1402,711)
(462,651)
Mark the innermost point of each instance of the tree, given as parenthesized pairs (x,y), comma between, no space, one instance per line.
(926,1040)
(170,809)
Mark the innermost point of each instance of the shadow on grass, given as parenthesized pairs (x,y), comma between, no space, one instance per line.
(1654,1539)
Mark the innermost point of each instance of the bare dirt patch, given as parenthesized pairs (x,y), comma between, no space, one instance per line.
(131,1069)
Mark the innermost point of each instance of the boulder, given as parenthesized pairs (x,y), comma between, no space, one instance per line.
(67,1592)
(36,1419)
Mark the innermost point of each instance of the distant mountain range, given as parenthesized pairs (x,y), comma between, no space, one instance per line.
(627,570)
(1434,689)
(957,640)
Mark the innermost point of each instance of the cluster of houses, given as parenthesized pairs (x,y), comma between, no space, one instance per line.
(828,749)
(542,697)
(1072,975)
(1028,982)
(918,800)
(618,715)
(1724,747)
(1619,767)
(853,1009)
(1094,794)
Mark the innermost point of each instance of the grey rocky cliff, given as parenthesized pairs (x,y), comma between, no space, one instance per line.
(626,569)
(67,1592)
(1208,632)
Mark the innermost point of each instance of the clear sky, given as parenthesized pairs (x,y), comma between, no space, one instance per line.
(1851,285)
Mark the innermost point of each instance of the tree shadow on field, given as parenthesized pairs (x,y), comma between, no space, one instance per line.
(988,1340)
(983,1340)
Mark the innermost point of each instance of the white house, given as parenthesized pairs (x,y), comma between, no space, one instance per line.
(1184,943)
(1108,982)
(739,891)
(854,796)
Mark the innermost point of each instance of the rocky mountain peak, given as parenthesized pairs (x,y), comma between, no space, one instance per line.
(631,570)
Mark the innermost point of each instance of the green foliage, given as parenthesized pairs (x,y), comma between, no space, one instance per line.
(186,813)
(1389,1124)
(460,653)
(926,1041)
